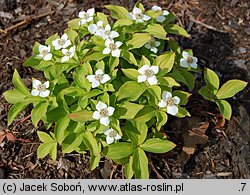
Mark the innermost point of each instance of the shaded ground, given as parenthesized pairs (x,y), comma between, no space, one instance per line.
(220,32)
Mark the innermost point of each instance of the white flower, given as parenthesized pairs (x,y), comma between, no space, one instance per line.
(137,15)
(108,34)
(169,102)
(96,29)
(112,47)
(112,135)
(103,113)
(97,78)
(162,17)
(148,74)
(40,89)
(188,60)
(44,52)
(86,16)
(68,53)
(62,42)
(152,45)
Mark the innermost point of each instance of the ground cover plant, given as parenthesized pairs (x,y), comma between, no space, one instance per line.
(111,84)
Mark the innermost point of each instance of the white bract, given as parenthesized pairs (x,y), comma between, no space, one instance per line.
(103,113)
(148,74)
(162,17)
(169,102)
(112,135)
(188,60)
(96,29)
(152,45)
(40,89)
(137,15)
(98,78)
(44,52)
(86,16)
(108,34)
(112,47)
(68,53)
(62,42)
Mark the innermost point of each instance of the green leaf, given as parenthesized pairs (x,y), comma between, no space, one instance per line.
(72,142)
(72,34)
(51,38)
(53,151)
(94,161)
(182,95)
(156,145)
(117,12)
(168,81)
(127,110)
(131,91)
(60,129)
(165,62)
(131,73)
(32,61)
(230,88)
(189,79)
(154,93)
(144,61)
(212,80)
(38,112)
(15,110)
(140,164)
(122,22)
(127,55)
(90,142)
(138,40)
(44,137)
(128,169)
(225,108)
(206,93)
(162,118)
(182,112)
(157,31)
(18,83)
(43,150)
(177,30)
(119,150)
(145,114)
(136,131)
(102,17)
(13,96)
(81,116)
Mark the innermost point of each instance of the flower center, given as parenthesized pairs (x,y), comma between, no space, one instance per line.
(113,134)
(61,42)
(107,32)
(41,87)
(170,102)
(98,77)
(104,112)
(139,16)
(44,52)
(190,59)
(68,53)
(112,46)
(149,73)
(152,44)
(86,16)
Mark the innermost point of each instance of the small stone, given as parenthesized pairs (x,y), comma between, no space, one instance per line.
(240,63)
(242,50)
(18,10)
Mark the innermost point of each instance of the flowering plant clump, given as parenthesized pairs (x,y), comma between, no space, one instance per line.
(110,86)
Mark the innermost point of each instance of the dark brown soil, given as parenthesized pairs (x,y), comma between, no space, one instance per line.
(220,34)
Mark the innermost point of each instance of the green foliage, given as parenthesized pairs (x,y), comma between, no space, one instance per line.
(105,99)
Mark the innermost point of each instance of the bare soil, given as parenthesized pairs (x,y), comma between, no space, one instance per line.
(207,145)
